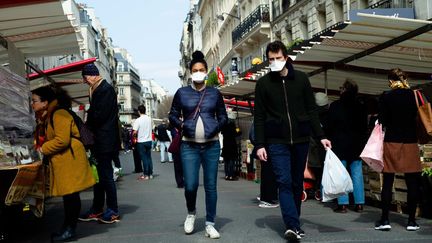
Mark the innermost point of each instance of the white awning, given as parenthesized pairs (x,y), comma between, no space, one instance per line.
(39,28)
(363,50)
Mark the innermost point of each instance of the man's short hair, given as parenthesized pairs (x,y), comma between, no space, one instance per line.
(275,47)
(142,109)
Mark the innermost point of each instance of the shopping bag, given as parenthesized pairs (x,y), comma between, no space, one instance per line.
(335,180)
(174,147)
(372,153)
(424,115)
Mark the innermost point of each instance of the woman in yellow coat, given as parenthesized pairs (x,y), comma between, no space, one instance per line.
(58,141)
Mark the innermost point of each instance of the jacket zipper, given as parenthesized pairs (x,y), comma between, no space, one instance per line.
(287,110)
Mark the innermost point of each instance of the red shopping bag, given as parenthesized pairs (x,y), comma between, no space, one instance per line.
(372,153)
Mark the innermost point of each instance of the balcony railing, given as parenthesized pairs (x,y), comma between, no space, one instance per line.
(393,4)
(259,15)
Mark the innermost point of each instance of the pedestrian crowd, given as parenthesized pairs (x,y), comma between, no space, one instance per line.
(292,131)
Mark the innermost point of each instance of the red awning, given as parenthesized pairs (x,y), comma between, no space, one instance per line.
(16,3)
(68,68)
(238,103)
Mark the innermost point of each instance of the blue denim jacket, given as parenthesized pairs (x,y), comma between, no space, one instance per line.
(212,111)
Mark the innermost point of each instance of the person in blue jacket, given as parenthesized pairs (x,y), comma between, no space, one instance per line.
(204,116)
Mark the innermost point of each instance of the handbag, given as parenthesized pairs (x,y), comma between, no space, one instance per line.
(372,153)
(424,119)
(174,147)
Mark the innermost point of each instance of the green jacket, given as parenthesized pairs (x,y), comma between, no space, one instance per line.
(288,117)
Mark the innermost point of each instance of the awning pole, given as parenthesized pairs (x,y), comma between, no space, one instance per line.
(325,82)
(348,8)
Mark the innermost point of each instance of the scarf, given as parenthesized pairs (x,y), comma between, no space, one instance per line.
(399,84)
(94,86)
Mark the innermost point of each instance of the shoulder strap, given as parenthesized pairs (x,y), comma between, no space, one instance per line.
(199,104)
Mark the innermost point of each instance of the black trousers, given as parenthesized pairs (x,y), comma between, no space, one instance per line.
(178,169)
(116,160)
(268,186)
(412,181)
(72,208)
(137,160)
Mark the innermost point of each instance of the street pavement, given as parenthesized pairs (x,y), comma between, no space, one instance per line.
(154,211)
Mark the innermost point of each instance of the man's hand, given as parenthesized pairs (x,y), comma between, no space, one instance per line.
(262,154)
(326,143)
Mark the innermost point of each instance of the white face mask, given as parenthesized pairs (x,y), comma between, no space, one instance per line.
(277,66)
(198,77)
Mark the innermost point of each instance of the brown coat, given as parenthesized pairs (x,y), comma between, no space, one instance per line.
(69,167)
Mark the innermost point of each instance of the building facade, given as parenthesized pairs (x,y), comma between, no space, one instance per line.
(153,96)
(128,86)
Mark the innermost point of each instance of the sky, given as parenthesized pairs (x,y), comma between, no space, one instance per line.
(150,30)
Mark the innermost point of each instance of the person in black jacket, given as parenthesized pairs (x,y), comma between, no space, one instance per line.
(398,114)
(347,129)
(102,118)
(229,149)
(285,116)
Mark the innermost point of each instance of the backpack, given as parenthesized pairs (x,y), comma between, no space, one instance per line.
(86,135)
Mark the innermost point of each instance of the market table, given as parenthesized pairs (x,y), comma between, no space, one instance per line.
(23,184)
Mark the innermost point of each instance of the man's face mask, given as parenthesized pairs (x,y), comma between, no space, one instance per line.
(198,77)
(277,65)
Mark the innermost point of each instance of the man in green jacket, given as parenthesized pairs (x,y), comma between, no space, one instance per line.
(285,118)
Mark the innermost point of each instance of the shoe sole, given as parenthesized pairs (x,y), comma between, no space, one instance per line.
(208,235)
(383,228)
(188,232)
(263,206)
(291,235)
(109,222)
(88,219)
(411,228)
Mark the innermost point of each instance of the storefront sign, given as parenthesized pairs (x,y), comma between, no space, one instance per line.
(389,12)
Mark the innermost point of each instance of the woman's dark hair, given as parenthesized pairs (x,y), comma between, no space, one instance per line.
(197,57)
(396,74)
(350,87)
(45,93)
(63,98)
(49,94)
(275,46)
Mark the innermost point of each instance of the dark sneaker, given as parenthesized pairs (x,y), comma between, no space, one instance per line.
(90,215)
(412,226)
(341,209)
(292,234)
(301,232)
(383,225)
(109,217)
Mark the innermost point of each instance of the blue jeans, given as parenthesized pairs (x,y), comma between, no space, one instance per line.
(356,171)
(192,155)
(289,163)
(106,185)
(144,150)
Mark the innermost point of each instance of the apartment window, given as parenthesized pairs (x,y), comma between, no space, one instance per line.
(321,19)
(288,36)
(122,106)
(304,27)
(285,5)
(121,79)
(120,67)
(338,10)
(276,8)
(121,91)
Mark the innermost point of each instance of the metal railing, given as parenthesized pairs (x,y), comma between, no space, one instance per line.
(392,4)
(259,15)
(126,111)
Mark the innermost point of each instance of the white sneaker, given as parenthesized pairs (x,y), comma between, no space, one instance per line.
(211,232)
(189,223)
(268,205)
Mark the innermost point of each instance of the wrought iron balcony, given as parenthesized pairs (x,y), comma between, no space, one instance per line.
(393,4)
(126,111)
(259,15)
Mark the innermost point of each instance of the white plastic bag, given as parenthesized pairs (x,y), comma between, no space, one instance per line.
(336,180)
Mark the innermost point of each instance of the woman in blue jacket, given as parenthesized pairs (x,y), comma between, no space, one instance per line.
(204,115)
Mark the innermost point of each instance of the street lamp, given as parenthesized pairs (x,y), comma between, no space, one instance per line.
(221,17)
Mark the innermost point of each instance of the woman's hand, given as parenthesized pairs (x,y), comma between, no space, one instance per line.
(262,154)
